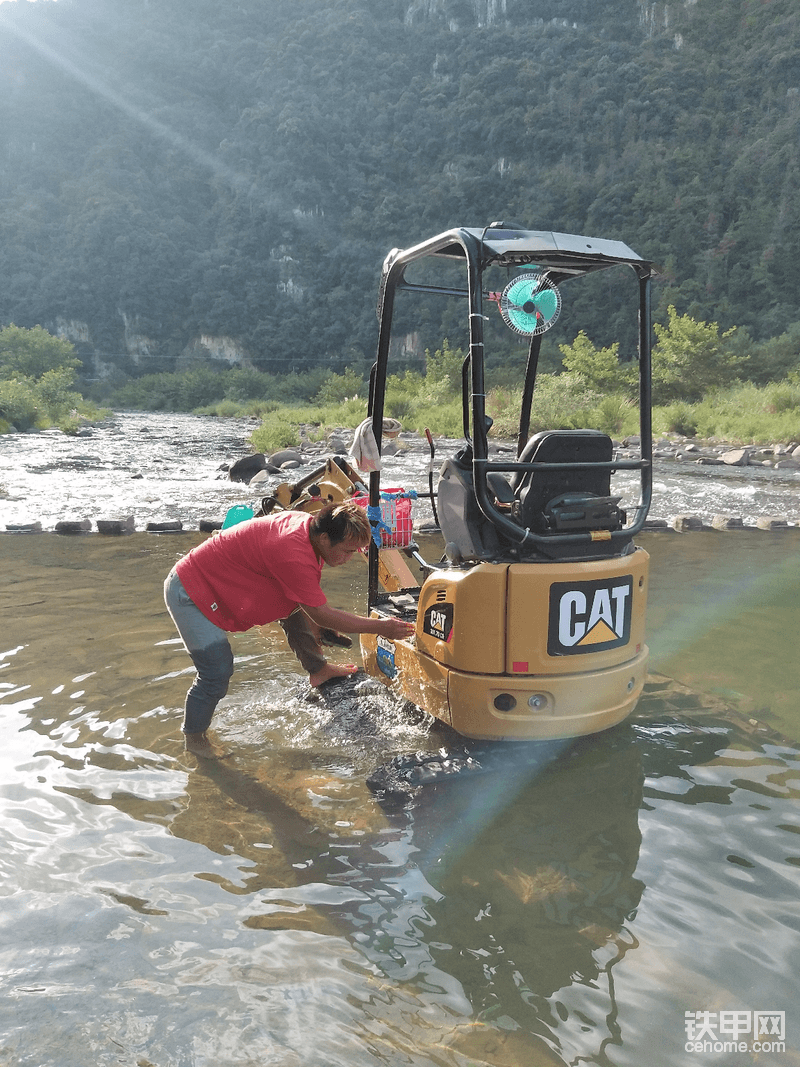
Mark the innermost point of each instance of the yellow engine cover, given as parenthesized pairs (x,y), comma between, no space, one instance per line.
(535,618)
(461,618)
(525,650)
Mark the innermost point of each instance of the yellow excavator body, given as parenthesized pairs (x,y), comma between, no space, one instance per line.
(523,650)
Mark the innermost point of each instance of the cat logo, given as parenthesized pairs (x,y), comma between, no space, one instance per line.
(589,616)
(438,622)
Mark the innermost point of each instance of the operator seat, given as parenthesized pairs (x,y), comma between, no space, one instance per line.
(553,501)
(546,502)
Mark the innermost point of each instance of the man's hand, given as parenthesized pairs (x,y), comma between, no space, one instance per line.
(396,629)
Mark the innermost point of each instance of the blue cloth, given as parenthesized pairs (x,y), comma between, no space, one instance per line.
(375,517)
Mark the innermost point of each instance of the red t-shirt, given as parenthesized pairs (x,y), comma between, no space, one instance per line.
(255,572)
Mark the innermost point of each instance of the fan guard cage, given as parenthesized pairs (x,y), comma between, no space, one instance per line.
(530,304)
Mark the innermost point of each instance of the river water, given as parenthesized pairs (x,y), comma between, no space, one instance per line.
(163,467)
(266,909)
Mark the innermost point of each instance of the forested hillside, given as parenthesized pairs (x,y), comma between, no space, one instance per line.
(234,171)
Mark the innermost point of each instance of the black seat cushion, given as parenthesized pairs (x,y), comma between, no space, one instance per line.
(535,490)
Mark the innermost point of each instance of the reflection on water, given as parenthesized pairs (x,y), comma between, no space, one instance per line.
(266,910)
(726,619)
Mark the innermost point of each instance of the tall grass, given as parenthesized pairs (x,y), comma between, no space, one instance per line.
(744,414)
(302,407)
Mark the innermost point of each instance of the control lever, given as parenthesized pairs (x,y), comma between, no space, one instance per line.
(429,435)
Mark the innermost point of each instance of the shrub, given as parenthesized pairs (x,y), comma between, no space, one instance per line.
(445,366)
(442,418)
(676,418)
(294,387)
(748,413)
(222,409)
(275,433)
(691,358)
(781,397)
(246,383)
(615,415)
(560,402)
(599,368)
(32,353)
(55,394)
(198,386)
(19,404)
(402,394)
(338,387)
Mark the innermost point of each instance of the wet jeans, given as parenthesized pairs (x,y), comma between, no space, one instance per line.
(211,653)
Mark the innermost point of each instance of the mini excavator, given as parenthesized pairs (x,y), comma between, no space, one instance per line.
(532,624)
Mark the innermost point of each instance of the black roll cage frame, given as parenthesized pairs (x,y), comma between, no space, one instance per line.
(560,257)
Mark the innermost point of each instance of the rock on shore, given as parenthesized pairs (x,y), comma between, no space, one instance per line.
(713,453)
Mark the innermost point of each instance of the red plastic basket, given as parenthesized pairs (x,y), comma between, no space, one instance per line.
(396,513)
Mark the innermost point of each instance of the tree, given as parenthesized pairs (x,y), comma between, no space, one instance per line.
(691,357)
(32,353)
(599,368)
(445,366)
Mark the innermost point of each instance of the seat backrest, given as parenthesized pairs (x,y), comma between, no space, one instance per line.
(467,533)
(534,490)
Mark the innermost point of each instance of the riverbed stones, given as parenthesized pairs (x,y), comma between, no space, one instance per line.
(260,481)
(782,458)
(248,466)
(683,523)
(727,522)
(116,527)
(73,526)
(24,527)
(284,456)
(173,526)
(337,444)
(736,457)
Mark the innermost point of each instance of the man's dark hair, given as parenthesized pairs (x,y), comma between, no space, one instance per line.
(342,522)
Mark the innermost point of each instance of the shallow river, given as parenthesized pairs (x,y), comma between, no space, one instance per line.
(266,909)
(159,467)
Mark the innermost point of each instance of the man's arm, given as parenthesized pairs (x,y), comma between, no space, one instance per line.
(347,622)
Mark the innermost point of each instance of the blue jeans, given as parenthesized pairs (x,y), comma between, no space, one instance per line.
(210,651)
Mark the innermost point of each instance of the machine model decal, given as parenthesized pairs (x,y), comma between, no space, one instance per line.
(589,616)
(438,622)
(385,652)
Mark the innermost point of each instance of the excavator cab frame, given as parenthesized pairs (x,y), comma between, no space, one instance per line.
(532,624)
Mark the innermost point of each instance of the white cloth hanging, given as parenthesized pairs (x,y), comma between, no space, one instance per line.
(364,449)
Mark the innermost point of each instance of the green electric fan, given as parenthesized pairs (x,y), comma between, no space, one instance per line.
(530,304)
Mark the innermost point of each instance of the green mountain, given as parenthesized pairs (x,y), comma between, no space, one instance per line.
(224,177)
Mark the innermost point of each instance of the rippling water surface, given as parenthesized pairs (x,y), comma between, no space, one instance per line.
(266,909)
(161,467)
